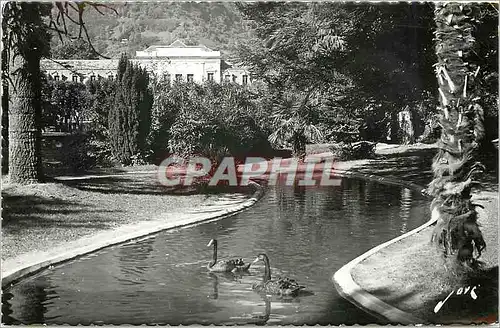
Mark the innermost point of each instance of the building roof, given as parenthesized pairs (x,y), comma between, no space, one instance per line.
(178,49)
(176,44)
(79,64)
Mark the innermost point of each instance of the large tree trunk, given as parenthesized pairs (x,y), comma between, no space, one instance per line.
(461,121)
(28,40)
(24,121)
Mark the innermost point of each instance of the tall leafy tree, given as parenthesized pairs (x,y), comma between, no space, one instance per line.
(296,51)
(296,116)
(295,44)
(354,54)
(130,117)
(455,167)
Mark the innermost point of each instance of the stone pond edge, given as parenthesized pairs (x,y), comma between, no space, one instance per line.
(342,278)
(17,270)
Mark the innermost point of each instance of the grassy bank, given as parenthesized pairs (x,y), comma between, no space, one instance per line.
(411,274)
(39,217)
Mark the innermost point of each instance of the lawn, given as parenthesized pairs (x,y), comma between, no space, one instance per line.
(41,216)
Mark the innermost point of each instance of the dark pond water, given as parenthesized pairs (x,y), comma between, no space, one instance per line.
(307,233)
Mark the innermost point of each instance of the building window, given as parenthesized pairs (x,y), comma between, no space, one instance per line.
(111,77)
(92,78)
(190,77)
(56,77)
(245,79)
(178,77)
(166,77)
(75,78)
(227,77)
(210,76)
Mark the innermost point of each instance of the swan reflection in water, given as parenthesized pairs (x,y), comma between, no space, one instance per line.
(251,317)
(215,285)
(233,277)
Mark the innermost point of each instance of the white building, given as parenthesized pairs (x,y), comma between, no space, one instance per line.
(175,62)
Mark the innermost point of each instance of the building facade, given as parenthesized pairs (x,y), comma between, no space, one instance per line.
(175,62)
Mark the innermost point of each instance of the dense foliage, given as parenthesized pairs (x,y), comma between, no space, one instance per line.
(81,110)
(216,120)
(369,62)
(65,105)
(168,100)
(102,93)
(486,35)
(73,49)
(129,118)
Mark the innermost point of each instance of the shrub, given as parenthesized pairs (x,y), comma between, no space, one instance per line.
(351,151)
(216,121)
(65,105)
(167,102)
(102,99)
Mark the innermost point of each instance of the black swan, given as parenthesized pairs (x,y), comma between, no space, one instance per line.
(225,266)
(282,286)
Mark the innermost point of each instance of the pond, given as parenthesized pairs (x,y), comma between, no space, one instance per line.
(308,234)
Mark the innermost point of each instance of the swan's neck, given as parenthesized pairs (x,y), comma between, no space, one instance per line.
(214,256)
(267,270)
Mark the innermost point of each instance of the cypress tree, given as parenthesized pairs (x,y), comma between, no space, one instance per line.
(130,117)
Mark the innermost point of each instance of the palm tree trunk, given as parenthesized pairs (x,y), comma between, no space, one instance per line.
(454,167)
(5,127)
(299,146)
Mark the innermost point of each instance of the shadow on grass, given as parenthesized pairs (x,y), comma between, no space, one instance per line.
(30,211)
(478,307)
(137,185)
(460,307)
(144,185)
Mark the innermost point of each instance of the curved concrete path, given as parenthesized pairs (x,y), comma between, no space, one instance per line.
(350,290)
(32,262)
